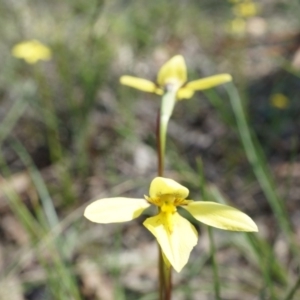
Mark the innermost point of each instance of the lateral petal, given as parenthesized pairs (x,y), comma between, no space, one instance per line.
(208,82)
(165,186)
(115,210)
(185,93)
(221,216)
(177,245)
(173,70)
(139,83)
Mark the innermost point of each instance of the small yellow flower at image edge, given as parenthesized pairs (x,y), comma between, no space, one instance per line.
(31,51)
(175,234)
(174,72)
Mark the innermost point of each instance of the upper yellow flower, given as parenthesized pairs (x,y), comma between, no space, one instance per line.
(175,235)
(173,74)
(31,51)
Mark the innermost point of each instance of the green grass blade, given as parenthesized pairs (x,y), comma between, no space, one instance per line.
(64,275)
(291,293)
(217,284)
(48,206)
(270,267)
(11,118)
(258,162)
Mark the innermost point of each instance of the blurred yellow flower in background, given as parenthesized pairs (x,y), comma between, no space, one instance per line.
(175,234)
(31,51)
(245,9)
(279,101)
(237,26)
(174,74)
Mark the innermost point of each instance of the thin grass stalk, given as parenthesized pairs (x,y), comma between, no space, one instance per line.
(291,293)
(60,276)
(266,262)
(217,285)
(52,133)
(47,203)
(11,118)
(205,195)
(259,165)
(49,117)
(116,272)
(258,245)
(17,205)
(261,250)
(65,276)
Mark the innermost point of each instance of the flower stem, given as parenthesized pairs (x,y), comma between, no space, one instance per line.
(167,106)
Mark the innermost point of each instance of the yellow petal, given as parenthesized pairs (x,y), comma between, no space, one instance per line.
(165,186)
(185,93)
(173,71)
(208,82)
(177,245)
(114,210)
(139,83)
(221,216)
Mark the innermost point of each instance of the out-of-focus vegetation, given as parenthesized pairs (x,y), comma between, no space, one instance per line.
(70,133)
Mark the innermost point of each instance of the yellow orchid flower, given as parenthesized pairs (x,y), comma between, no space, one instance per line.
(175,235)
(31,51)
(173,73)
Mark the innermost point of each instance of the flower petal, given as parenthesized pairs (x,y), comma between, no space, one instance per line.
(114,210)
(177,245)
(173,70)
(185,93)
(221,216)
(208,82)
(165,186)
(139,83)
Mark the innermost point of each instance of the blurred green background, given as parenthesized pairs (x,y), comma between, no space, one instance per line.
(70,133)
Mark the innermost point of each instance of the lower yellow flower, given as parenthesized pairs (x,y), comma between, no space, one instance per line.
(31,51)
(175,235)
